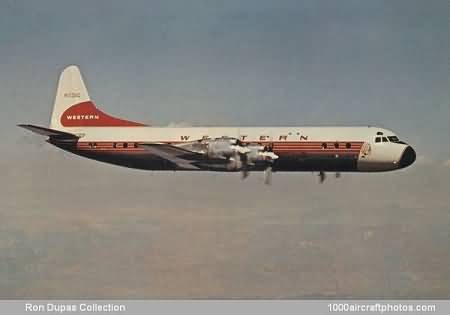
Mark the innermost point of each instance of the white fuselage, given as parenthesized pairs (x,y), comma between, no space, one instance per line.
(287,141)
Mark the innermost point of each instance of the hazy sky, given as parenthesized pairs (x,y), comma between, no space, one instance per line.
(70,227)
(236,62)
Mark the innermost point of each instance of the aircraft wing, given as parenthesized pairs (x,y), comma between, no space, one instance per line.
(180,157)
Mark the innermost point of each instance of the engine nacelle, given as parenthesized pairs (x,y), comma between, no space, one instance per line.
(220,148)
(224,148)
(239,157)
(235,164)
(257,153)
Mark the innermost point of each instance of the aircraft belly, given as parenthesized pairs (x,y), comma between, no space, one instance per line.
(137,160)
(318,162)
(148,161)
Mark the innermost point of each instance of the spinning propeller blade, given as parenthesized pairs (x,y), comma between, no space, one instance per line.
(268,175)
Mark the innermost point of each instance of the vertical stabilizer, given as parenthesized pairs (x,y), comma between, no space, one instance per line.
(73,107)
(71,90)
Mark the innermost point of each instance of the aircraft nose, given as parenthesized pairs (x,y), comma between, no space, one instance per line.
(408,157)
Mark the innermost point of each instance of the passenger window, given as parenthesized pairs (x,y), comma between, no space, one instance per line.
(135,145)
(377,139)
(348,145)
(336,145)
(385,139)
(324,145)
(125,145)
(114,145)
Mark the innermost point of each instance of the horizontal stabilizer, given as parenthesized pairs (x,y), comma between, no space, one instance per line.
(49,132)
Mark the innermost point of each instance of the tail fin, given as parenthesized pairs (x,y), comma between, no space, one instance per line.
(74,108)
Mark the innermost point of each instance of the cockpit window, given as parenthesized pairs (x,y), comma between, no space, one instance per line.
(393,139)
(378,139)
(385,139)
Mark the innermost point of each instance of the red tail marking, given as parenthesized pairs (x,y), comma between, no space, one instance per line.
(87,115)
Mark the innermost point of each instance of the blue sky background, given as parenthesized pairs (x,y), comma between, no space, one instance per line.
(75,228)
(236,62)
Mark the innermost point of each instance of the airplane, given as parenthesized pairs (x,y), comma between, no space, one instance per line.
(78,126)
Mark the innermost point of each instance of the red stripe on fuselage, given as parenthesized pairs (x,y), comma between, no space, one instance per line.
(292,148)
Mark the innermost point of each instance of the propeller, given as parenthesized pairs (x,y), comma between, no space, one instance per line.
(243,156)
(268,175)
(244,167)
